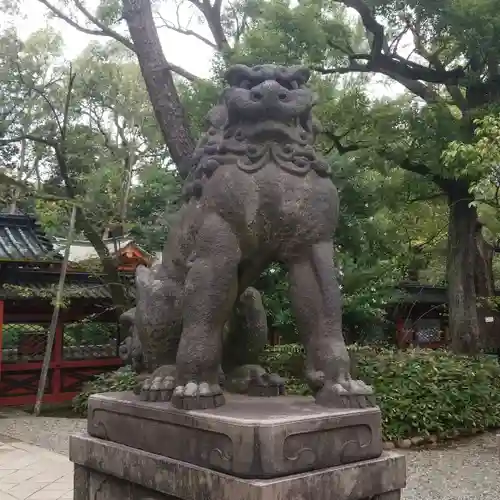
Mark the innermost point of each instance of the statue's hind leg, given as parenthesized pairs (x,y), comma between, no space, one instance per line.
(317,305)
(210,291)
(245,342)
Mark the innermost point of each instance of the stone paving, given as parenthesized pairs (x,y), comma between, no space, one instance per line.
(30,472)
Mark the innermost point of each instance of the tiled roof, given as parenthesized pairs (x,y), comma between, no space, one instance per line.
(84,250)
(27,283)
(23,239)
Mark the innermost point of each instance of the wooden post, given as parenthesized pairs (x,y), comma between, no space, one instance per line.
(1,335)
(55,317)
(58,357)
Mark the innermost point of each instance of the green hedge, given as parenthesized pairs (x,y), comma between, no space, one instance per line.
(123,379)
(420,392)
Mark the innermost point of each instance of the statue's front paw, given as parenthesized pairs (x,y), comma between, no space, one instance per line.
(198,396)
(346,393)
(159,386)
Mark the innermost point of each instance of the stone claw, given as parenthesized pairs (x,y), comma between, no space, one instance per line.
(266,385)
(159,386)
(316,379)
(253,380)
(197,396)
(346,394)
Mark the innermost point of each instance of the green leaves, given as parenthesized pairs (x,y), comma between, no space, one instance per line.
(109,11)
(420,392)
(122,380)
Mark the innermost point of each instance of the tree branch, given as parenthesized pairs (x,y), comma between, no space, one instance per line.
(425,92)
(433,58)
(185,31)
(379,43)
(212,14)
(337,143)
(381,60)
(7,180)
(30,137)
(418,168)
(108,32)
(61,15)
(170,114)
(429,197)
(41,93)
(67,103)
(105,30)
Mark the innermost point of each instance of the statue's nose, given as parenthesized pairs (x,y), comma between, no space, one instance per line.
(269,92)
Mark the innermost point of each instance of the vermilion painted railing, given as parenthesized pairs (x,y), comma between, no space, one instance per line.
(19,377)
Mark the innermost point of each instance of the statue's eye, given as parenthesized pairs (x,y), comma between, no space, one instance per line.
(246,84)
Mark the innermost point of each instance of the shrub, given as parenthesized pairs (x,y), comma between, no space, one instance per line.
(420,392)
(123,379)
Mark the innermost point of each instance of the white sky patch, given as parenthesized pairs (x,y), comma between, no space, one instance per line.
(185,51)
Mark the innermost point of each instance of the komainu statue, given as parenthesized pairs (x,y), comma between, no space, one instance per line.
(257,193)
(153,339)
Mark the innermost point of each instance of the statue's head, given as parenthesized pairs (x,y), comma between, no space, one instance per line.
(270,94)
(264,114)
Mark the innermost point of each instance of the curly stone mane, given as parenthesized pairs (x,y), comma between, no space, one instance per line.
(247,132)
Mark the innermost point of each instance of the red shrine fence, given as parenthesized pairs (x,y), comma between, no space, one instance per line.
(81,350)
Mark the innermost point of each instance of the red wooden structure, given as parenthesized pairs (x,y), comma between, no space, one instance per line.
(87,337)
(420,316)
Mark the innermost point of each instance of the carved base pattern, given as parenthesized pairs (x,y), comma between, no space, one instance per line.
(248,437)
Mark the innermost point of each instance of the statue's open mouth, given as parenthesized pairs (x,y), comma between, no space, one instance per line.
(291,130)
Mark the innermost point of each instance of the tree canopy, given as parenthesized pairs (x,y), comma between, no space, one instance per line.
(416,164)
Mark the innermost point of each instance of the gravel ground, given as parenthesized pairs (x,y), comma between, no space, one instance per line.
(466,470)
(47,432)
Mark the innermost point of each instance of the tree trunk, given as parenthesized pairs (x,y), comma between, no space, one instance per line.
(485,290)
(160,84)
(111,274)
(463,318)
(485,282)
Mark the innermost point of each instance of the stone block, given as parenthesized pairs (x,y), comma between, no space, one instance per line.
(110,471)
(247,437)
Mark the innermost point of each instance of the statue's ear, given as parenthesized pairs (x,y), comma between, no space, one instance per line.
(300,74)
(237,73)
(143,278)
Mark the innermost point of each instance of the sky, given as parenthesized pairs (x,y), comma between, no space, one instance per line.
(185,51)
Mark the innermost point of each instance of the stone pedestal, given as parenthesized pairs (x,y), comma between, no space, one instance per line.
(251,448)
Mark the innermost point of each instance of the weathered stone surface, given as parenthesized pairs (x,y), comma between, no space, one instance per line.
(248,437)
(110,471)
(93,485)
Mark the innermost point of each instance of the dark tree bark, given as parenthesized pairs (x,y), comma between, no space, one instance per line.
(160,84)
(485,290)
(485,281)
(463,317)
